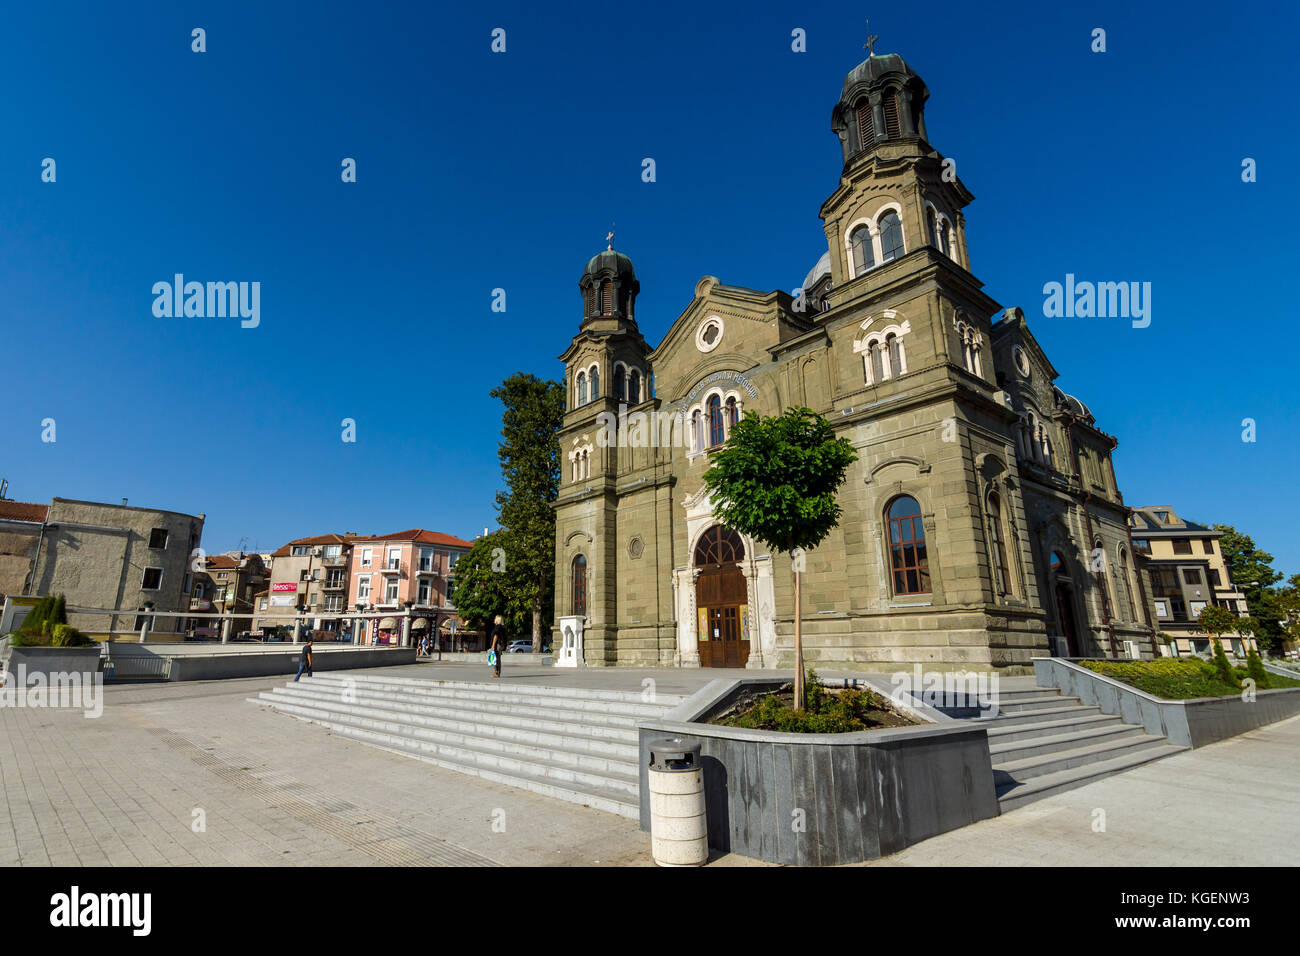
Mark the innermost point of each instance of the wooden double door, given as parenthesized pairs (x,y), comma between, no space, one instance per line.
(723,617)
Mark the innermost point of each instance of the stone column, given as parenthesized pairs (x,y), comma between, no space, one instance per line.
(225,630)
(755,629)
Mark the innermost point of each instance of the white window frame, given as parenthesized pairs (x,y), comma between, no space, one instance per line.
(143,575)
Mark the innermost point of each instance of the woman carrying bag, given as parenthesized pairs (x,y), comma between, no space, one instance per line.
(498,643)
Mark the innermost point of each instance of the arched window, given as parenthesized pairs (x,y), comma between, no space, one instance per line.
(582,388)
(1130,608)
(891,236)
(634,388)
(595,383)
(866,125)
(860,245)
(733,412)
(580,586)
(1103,574)
(591,300)
(932,226)
(945,238)
(908,561)
(895,355)
(620,383)
(716,432)
(999,545)
(607,297)
(877,362)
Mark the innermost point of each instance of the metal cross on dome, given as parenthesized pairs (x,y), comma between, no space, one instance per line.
(610,238)
(871,41)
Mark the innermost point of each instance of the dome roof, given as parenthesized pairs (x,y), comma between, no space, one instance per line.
(609,261)
(823,268)
(874,67)
(1072,404)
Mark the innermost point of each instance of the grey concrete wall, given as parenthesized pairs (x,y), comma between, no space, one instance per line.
(271,663)
(52,660)
(1189,723)
(858,796)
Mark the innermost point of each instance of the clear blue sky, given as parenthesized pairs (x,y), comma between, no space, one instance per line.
(478,170)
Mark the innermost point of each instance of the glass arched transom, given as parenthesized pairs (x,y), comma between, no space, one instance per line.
(719,546)
(909,562)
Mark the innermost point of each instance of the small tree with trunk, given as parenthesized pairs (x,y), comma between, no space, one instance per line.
(1216,621)
(775,480)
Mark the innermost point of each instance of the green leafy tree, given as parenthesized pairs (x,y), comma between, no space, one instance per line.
(486,587)
(1251,570)
(776,480)
(530,465)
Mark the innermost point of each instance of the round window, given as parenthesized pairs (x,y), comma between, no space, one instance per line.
(709,334)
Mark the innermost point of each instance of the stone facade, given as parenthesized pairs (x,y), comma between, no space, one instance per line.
(116,557)
(892,339)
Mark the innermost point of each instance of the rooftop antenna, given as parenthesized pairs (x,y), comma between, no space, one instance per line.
(871,41)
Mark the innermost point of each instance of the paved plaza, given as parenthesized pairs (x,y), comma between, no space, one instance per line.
(131,788)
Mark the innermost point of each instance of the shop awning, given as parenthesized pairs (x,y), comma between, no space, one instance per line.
(420,624)
(388,624)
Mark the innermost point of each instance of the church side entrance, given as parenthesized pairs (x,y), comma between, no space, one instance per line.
(721,599)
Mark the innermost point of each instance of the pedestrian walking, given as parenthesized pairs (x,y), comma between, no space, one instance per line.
(305,660)
(498,641)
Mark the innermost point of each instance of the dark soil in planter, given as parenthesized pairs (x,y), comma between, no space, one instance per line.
(827,712)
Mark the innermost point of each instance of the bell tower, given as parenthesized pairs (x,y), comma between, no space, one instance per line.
(896,191)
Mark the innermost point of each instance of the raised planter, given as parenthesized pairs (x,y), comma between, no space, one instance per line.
(1189,723)
(52,660)
(824,799)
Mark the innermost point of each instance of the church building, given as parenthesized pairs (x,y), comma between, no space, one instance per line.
(982,524)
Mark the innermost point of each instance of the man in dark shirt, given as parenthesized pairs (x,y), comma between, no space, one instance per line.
(498,641)
(305,660)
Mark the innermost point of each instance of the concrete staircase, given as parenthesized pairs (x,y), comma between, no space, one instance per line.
(1044,743)
(568,743)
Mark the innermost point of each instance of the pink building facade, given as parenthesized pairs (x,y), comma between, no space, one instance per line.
(411,575)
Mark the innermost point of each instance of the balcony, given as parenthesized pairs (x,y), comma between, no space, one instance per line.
(335,584)
(337,561)
(391,567)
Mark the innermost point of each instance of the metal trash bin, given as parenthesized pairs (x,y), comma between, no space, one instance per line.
(679,834)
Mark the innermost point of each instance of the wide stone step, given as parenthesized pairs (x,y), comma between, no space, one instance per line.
(1000,732)
(1019,749)
(621,704)
(474,753)
(598,798)
(1061,711)
(1039,765)
(1036,704)
(557,736)
(585,723)
(1013,795)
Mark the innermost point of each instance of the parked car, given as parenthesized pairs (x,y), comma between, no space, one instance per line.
(525,647)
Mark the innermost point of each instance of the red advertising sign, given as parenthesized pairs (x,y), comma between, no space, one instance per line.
(285,586)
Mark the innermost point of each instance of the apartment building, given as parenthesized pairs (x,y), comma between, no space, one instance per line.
(405,571)
(228,582)
(309,575)
(1186,571)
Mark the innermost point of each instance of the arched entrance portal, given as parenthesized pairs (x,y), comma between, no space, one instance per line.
(1063,590)
(721,599)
